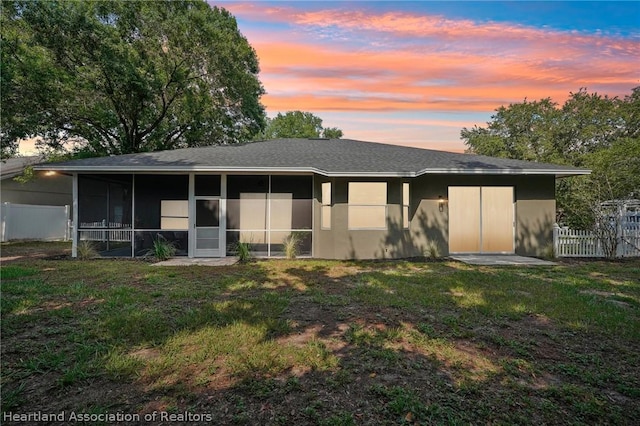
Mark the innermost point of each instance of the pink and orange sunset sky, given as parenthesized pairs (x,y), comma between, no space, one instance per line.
(416,73)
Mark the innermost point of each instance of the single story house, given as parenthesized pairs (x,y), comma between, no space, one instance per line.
(342,199)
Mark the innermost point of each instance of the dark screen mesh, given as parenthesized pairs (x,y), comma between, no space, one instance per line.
(151,190)
(207,185)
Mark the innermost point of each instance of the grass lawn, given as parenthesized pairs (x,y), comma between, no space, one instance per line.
(323,342)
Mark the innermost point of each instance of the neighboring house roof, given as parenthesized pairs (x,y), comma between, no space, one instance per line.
(12,167)
(329,157)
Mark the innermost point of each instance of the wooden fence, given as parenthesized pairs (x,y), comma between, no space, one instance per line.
(577,243)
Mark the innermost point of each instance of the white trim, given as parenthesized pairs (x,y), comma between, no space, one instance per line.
(222,220)
(274,230)
(269,217)
(223,215)
(313,212)
(207,252)
(515,219)
(507,171)
(133,216)
(74,191)
(481,222)
(191,252)
(308,170)
(137,229)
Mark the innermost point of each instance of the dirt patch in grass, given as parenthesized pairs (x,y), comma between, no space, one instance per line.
(34,250)
(323,342)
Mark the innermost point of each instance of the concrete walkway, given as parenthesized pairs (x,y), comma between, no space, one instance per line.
(202,261)
(500,259)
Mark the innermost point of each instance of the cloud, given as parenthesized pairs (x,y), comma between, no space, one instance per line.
(435,31)
(320,75)
(357,59)
(421,48)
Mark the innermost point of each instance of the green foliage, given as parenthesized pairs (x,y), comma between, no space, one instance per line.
(298,124)
(521,131)
(403,403)
(331,133)
(27,175)
(11,398)
(86,250)
(9,272)
(126,76)
(588,130)
(615,177)
(548,252)
(291,245)
(341,419)
(162,249)
(432,251)
(243,251)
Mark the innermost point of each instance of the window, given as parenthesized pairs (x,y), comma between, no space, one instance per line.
(367,205)
(326,206)
(405,205)
(174,214)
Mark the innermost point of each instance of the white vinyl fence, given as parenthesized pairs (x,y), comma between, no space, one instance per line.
(576,243)
(31,222)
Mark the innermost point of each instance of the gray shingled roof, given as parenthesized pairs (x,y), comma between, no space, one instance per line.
(12,167)
(335,157)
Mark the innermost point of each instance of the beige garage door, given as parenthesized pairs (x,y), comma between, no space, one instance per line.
(481,219)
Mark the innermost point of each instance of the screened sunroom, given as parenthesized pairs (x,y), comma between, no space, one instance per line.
(202,215)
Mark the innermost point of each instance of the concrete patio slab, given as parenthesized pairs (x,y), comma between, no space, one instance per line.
(201,261)
(500,259)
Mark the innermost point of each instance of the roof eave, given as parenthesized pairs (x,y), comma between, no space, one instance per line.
(406,174)
(505,171)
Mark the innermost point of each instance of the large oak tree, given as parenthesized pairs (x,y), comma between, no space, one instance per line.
(126,76)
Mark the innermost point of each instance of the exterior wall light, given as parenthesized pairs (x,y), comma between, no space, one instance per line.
(441,202)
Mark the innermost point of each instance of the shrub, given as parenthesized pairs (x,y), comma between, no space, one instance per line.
(162,249)
(548,252)
(291,244)
(86,250)
(243,251)
(432,251)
